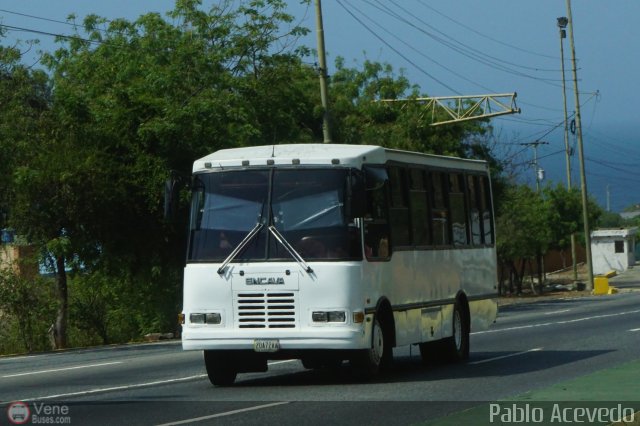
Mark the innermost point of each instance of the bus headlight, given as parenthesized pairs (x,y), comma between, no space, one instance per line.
(208,318)
(213,318)
(196,318)
(328,316)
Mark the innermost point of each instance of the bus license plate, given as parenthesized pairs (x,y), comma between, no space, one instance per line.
(264,345)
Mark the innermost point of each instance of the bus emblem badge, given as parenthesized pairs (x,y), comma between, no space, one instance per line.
(264,280)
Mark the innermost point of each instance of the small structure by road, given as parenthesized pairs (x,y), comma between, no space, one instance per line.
(613,249)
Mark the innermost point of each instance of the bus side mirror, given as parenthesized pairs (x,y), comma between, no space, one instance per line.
(356,205)
(172,187)
(170,198)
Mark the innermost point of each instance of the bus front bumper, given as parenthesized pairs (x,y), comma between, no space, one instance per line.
(343,338)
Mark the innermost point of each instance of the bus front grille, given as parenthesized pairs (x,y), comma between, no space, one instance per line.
(266,310)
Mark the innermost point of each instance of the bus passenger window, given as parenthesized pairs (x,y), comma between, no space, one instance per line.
(399,212)
(376,241)
(474,210)
(457,205)
(439,211)
(376,224)
(419,208)
(487,219)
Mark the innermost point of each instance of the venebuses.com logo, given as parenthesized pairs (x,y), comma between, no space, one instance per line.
(20,413)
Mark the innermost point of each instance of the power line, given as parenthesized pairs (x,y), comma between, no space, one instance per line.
(40,18)
(470,52)
(463,45)
(395,50)
(484,35)
(612,167)
(30,30)
(419,52)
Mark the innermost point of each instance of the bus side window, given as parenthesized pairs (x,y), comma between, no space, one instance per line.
(399,211)
(458,208)
(419,208)
(376,224)
(475,210)
(439,211)
(486,210)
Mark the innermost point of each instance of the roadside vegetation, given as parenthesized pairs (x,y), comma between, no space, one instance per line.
(88,140)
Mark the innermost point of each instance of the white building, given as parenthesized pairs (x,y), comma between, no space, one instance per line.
(613,249)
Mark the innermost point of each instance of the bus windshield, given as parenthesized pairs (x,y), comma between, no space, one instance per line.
(306,206)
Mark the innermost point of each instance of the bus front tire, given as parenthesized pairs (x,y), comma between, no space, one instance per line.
(457,346)
(221,368)
(368,362)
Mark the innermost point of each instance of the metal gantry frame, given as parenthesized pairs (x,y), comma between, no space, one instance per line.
(465,107)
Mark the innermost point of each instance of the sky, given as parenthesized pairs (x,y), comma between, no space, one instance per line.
(469,47)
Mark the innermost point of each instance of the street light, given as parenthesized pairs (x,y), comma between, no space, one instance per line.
(562,24)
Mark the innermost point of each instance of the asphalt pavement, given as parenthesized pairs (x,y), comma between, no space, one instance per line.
(627,279)
(608,387)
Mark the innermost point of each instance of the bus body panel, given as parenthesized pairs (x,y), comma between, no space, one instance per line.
(422,289)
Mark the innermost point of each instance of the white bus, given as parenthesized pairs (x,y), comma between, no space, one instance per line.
(326,253)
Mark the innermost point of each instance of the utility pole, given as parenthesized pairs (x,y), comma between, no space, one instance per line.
(322,61)
(535,160)
(583,177)
(562,24)
(608,197)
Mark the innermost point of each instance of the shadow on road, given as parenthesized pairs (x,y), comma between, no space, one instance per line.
(411,369)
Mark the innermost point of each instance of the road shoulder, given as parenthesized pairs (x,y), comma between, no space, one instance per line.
(606,393)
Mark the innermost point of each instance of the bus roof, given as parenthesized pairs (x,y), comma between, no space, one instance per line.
(326,154)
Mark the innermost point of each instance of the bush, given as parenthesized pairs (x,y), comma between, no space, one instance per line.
(27,310)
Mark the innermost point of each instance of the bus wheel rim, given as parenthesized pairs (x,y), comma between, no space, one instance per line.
(457,330)
(378,344)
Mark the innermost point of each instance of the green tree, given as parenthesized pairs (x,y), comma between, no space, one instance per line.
(565,214)
(24,100)
(522,231)
(610,220)
(564,207)
(132,101)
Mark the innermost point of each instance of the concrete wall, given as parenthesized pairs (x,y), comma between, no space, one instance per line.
(18,258)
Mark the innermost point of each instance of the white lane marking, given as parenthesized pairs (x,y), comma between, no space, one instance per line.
(557,312)
(60,369)
(113,347)
(282,362)
(545,324)
(505,356)
(123,387)
(635,329)
(228,413)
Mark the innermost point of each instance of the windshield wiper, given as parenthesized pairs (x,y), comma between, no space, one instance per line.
(240,246)
(290,249)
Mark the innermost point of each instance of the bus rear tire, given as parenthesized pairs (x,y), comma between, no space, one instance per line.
(221,368)
(457,346)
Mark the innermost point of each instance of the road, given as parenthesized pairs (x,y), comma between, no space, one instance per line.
(532,346)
